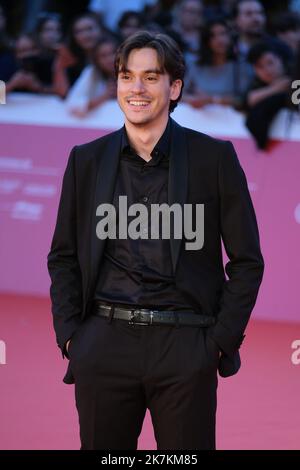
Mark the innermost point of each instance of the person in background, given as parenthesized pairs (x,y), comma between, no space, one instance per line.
(188,21)
(161,12)
(35,55)
(161,18)
(270,73)
(96,83)
(27,78)
(287,28)
(67,10)
(250,21)
(269,91)
(49,33)
(85,31)
(218,77)
(129,23)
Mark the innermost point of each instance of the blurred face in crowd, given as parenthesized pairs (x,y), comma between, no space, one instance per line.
(50,34)
(219,39)
(86,33)
(25,47)
(291,38)
(131,25)
(144,92)
(105,56)
(269,67)
(191,14)
(251,18)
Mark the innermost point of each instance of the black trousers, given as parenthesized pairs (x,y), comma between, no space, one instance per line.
(120,370)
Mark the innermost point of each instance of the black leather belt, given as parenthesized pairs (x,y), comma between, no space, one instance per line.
(144,316)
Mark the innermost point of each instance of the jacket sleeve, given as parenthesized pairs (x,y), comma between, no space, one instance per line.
(63,265)
(245,267)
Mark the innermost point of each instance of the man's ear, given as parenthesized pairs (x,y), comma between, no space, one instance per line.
(176,86)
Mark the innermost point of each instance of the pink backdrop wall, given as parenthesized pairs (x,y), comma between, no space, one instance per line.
(32,161)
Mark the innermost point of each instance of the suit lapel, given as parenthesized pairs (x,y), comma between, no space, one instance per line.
(107,168)
(178,180)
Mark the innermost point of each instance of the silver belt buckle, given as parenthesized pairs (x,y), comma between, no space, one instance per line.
(133,315)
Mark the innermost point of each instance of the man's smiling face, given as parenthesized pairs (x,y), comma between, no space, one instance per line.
(144,90)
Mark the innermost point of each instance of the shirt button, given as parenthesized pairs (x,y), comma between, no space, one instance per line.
(145,199)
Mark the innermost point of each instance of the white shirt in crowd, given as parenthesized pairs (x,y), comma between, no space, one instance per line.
(89,85)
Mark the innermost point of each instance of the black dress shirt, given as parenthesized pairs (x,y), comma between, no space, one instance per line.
(139,272)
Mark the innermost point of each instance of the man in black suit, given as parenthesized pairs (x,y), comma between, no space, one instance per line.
(147,321)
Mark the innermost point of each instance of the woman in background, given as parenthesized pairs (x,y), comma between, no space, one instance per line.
(96,83)
(217,77)
(48,32)
(85,32)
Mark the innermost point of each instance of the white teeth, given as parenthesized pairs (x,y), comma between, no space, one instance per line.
(139,103)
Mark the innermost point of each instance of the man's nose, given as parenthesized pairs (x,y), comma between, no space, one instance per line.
(138,86)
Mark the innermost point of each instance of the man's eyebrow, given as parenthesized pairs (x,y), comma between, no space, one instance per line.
(157,71)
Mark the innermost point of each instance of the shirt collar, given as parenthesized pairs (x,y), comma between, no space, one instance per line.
(161,148)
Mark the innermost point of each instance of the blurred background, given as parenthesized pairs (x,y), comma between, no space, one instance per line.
(58,90)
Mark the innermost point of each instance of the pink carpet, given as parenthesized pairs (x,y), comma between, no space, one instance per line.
(258,408)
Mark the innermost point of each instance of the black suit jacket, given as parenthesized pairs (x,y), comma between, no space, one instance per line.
(202,170)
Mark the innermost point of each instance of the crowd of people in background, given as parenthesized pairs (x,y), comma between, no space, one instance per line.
(239,53)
